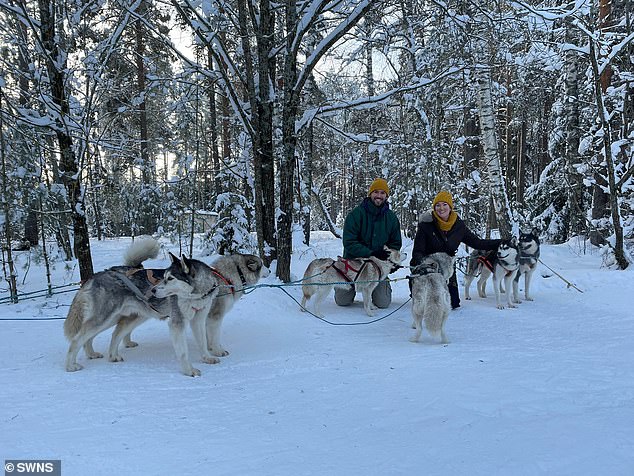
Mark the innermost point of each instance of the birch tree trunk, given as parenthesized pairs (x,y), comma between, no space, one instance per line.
(491,153)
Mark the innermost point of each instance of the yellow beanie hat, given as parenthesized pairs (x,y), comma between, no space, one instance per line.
(443,196)
(379,184)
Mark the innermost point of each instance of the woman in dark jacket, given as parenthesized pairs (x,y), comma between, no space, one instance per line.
(441,229)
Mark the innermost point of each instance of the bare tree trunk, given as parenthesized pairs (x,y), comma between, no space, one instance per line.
(470,153)
(13,288)
(213,129)
(225,112)
(294,82)
(95,196)
(69,172)
(508,138)
(287,164)
(262,119)
(308,183)
(619,251)
(519,163)
(146,215)
(573,133)
(329,221)
(491,155)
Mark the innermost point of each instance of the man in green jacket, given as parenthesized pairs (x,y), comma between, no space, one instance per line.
(367,228)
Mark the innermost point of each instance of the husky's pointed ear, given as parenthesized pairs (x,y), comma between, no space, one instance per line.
(173,257)
(191,269)
(184,265)
(254,264)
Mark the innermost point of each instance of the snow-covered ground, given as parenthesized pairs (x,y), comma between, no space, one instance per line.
(547,388)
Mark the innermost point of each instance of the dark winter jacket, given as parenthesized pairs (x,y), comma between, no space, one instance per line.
(430,239)
(368,227)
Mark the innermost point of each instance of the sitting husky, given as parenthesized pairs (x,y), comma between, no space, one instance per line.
(430,296)
(123,296)
(502,264)
(324,274)
(529,256)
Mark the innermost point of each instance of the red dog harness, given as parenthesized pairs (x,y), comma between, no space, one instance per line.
(343,267)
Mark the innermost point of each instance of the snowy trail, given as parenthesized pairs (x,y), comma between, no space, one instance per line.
(542,389)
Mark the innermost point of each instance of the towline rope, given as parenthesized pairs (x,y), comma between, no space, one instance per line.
(244,289)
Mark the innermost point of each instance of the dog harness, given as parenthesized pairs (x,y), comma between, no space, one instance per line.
(228,282)
(343,267)
(423,269)
(125,279)
(486,261)
(149,275)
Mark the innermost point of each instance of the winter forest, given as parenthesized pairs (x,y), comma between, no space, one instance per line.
(248,121)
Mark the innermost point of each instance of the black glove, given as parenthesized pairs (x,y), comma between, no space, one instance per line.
(381,254)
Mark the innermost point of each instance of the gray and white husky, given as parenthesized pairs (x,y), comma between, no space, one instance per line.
(235,273)
(125,297)
(362,273)
(529,256)
(430,296)
(502,264)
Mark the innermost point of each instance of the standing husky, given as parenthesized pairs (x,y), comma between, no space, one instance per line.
(123,296)
(362,273)
(502,264)
(529,256)
(234,273)
(430,296)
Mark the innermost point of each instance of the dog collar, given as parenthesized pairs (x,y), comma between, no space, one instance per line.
(242,278)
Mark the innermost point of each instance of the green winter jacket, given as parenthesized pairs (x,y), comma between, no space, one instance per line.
(368,227)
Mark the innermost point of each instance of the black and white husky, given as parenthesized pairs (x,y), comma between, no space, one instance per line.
(124,296)
(502,264)
(529,257)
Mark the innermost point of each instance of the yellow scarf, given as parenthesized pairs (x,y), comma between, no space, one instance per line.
(445,225)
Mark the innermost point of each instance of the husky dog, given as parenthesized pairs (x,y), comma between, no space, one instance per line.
(123,296)
(362,273)
(529,256)
(503,262)
(234,273)
(430,296)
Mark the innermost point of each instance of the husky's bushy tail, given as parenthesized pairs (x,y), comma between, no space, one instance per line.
(75,317)
(142,248)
